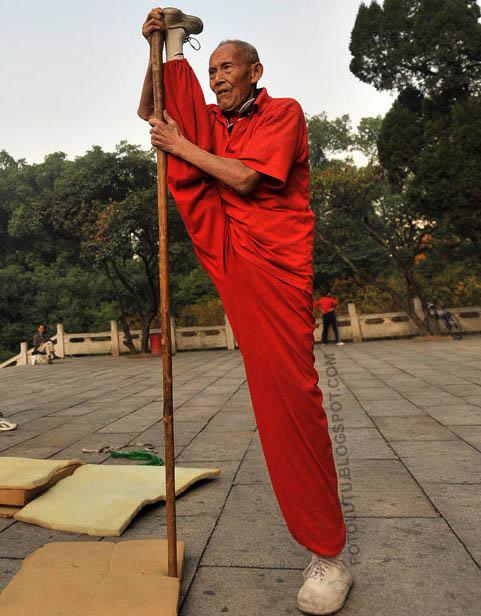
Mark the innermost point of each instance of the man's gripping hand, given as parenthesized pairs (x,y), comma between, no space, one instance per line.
(155,21)
(166,135)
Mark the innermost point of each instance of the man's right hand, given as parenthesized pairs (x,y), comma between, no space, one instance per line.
(155,21)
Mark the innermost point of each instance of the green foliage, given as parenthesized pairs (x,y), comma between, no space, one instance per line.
(49,294)
(434,45)
(429,52)
(79,244)
(208,311)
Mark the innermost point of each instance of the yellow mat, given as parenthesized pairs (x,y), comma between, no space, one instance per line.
(28,473)
(95,579)
(101,500)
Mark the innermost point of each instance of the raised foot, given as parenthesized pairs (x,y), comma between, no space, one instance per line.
(175,18)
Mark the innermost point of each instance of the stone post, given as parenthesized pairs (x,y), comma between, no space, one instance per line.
(172,336)
(229,335)
(60,346)
(418,308)
(23,354)
(114,336)
(355,324)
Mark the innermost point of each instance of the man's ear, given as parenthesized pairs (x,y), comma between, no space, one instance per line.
(257,70)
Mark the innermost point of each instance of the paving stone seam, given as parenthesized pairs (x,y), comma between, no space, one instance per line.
(413,476)
(221,408)
(201,556)
(263,567)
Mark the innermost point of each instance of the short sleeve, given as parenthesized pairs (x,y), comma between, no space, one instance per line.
(276,143)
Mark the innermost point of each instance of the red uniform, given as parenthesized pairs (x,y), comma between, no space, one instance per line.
(258,252)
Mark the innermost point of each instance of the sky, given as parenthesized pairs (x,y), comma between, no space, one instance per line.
(71,72)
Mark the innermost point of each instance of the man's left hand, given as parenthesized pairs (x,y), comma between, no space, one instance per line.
(166,135)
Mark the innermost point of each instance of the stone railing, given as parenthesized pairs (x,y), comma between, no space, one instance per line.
(112,342)
(352,327)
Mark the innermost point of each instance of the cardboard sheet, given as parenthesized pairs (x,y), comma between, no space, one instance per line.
(95,579)
(6,511)
(101,500)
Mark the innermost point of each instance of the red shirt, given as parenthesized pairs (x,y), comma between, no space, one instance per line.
(274,225)
(326,304)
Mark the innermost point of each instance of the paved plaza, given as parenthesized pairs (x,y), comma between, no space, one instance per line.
(405,419)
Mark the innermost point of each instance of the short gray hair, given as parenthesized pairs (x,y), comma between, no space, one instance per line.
(248,51)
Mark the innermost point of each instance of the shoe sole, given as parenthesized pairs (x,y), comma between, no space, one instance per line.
(180,16)
(306,610)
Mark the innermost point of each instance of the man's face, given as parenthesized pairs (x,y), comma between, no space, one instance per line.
(231,78)
(41,329)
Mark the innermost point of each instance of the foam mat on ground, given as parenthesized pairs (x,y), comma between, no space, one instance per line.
(101,500)
(29,473)
(95,579)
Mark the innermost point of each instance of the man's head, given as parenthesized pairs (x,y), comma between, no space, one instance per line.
(41,328)
(234,70)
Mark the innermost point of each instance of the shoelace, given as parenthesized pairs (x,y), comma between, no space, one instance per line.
(189,40)
(317,568)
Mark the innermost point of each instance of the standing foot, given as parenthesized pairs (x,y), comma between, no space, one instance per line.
(326,586)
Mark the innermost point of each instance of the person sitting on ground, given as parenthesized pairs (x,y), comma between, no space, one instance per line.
(327,305)
(43,344)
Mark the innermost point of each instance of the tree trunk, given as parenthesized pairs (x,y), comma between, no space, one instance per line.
(153,294)
(128,336)
(428,326)
(123,321)
(145,323)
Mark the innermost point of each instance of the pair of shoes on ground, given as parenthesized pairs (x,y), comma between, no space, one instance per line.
(326,585)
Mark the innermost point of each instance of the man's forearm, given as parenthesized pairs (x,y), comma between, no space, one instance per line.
(228,170)
(146,104)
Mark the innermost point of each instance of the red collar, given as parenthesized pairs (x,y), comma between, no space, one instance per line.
(261,101)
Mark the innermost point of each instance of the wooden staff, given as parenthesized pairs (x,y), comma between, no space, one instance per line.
(156,48)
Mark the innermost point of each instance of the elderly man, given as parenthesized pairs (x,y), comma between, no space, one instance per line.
(239,174)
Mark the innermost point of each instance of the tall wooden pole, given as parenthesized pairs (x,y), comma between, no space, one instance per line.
(156,48)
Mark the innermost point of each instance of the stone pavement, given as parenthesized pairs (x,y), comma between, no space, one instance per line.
(405,419)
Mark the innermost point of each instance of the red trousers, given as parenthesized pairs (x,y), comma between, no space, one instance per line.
(273,324)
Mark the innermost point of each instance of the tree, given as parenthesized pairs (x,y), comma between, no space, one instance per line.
(429,53)
(107,201)
(367,223)
(91,220)
(432,45)
(326,139)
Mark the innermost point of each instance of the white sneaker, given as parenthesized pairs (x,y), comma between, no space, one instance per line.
(175,18)
(327,583)
(340,343)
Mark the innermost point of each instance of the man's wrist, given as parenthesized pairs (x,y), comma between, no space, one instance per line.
(184,148)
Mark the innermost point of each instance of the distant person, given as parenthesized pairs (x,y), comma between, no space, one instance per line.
(43,344)
(327,305)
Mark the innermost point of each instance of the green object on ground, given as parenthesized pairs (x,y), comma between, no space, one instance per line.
(149,458)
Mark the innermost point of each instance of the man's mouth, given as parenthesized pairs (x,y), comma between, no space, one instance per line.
(222,92)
